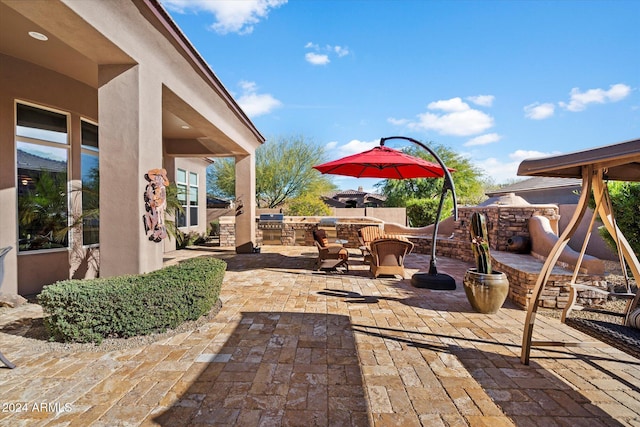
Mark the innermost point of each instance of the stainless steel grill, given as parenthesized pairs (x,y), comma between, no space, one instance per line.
(329,226)
(271,226)
(327,222)
(271,222)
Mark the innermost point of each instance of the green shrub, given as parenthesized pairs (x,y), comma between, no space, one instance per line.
(127,306)
(625,199)
(189,239)
(308,204)
(422,212)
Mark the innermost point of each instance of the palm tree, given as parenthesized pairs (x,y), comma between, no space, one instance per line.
(43,212)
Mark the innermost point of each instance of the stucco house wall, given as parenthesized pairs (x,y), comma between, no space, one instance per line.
(125,66)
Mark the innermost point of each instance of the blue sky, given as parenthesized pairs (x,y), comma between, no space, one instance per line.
(496,81)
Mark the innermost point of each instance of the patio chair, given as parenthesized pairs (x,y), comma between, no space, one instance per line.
(330,255)
(366,235)
(387,256)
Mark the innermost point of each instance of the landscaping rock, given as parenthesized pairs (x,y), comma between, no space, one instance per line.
(11,300)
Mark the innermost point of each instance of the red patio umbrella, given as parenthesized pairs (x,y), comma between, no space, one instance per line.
(382,162)
(385,162)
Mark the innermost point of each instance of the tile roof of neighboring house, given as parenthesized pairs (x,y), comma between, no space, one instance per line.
(334,203)
(535,184)
(28,160)
(355,193)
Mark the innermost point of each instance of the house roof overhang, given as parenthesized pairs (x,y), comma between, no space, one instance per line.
(77,49)
(620,162)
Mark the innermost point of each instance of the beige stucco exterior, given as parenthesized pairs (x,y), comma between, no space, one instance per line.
(124,65)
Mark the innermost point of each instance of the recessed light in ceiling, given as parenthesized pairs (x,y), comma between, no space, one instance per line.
(38,36)
(185,127)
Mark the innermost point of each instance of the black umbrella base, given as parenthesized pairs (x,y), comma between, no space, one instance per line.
(437,281)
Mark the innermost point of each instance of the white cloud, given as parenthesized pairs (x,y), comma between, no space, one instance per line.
(485,139)
(354,146)
(317,59)
(320,55)
(449,105)
(255,104)
(501,171)
(537,111)
(231,16)
(579,101)
(520,155)
(331,145)
(341,51)
(483,100)
(458,119)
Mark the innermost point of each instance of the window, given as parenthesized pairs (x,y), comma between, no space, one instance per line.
(90,184)
(181,183)
(42,153)
(188,198)
(193,198)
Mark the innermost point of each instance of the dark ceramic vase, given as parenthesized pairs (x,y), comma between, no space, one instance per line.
(486,292)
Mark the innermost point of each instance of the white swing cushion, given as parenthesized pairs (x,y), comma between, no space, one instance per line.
(634,318)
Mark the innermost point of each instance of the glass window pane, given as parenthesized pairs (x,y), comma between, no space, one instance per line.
(193,215)
(182,194)
(181,219)
(193,179)
(90,199)
(89,135)
(42,196)
(181,176)
(41,124)
(193,196)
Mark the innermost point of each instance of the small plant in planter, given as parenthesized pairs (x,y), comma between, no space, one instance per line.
(486,289)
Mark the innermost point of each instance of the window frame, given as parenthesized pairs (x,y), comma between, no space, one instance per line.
(187,186)
(66,146)
(88,150)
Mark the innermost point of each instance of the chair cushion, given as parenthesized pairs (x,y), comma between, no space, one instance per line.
(320,236)
(370,233)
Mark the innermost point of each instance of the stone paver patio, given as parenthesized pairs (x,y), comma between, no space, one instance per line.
(295,347)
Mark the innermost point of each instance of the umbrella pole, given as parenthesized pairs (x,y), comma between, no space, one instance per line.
(432,263)
(433,279)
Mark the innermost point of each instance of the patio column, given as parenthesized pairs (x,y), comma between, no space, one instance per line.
(245,196)
(8,204)
(130,134)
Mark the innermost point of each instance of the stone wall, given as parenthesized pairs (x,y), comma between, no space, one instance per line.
(523,270)
(227,231)
(503,223)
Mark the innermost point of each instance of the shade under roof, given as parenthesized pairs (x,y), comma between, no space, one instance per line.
(621,161)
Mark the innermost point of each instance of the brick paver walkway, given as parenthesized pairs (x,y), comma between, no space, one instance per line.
(294,347)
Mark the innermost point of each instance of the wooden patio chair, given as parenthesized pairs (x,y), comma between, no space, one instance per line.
(387,256)
(330,255)
(366,235)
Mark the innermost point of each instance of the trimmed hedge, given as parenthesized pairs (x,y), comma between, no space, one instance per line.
(127,306)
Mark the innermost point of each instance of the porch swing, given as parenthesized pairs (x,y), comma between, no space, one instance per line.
(619,162)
